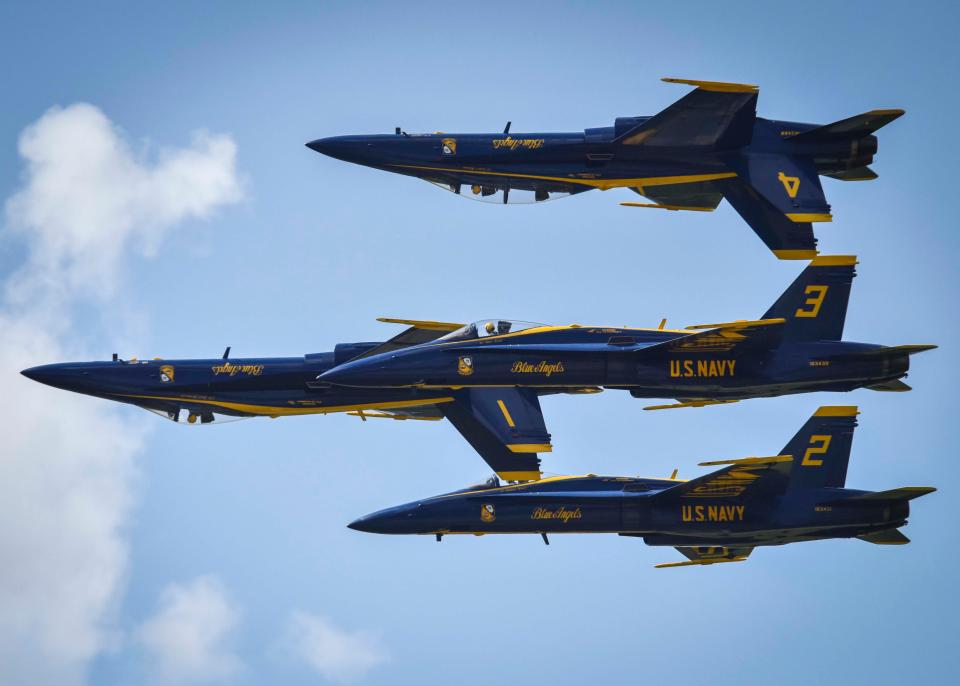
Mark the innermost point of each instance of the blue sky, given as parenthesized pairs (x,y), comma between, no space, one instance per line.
(316,249)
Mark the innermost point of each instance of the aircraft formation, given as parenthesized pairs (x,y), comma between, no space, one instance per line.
(487,377)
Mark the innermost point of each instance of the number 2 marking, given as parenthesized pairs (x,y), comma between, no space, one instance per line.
(818,446)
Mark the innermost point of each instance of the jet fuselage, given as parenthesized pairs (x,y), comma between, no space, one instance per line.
(616,358)
(240,387)
(638,507)
(481,164)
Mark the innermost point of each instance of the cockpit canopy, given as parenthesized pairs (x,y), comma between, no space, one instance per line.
(502,192)
(483,328)
(193,417)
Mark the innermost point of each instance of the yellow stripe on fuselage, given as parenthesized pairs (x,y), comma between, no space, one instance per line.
(602,184)
(271,411)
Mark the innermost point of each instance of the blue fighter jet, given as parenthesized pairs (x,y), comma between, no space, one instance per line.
(206,391)
(707,146)
(795,347)
(497,368)
(797,495)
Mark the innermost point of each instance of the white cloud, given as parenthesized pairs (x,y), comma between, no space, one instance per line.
(187,638)
(67,469)
(88,197)
(337,654)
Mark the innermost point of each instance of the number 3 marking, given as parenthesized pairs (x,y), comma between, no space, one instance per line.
(817,293)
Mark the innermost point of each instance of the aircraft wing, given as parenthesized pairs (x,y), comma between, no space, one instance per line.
(701,196)
(708,555)
(426,413)
(747,476)
(504,425)
(715,115)
(727,337)
(419,331)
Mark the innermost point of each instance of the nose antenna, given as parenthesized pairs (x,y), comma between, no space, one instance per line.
(506,129)
(226,353)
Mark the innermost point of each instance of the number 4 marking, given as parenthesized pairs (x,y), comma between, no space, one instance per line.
(818,446)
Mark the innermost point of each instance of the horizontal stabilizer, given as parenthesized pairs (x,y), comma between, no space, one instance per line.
(858,174)
(708,556)
(858,125)
(887,537)
(904,493)
(891,351)
(894,386)
(902,349)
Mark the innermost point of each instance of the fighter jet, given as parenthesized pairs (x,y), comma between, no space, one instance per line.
(796,495)
(795,347)
(205,391)
(707,146)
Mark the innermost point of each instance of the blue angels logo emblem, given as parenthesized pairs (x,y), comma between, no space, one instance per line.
(449,146)
(465,366)
(166,373)
(487,513)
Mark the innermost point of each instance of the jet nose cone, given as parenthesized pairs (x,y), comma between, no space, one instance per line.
(346,148)
(361,524)
(34,373)
(68,377)
(393,520)
(319,145)
(50,374)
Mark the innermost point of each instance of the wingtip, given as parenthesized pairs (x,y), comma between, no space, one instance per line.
(893,112)
(795,254)
(837,411)
(834,261)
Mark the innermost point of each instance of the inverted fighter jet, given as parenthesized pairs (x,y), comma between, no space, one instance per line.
(797,495)
(205,391)
(707,146)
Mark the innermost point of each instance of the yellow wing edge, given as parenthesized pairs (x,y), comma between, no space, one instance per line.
(704,561)
(422,324)
(774,459)
(715,86)
(740,324)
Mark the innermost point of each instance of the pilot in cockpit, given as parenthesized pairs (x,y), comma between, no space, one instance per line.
(500,328)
